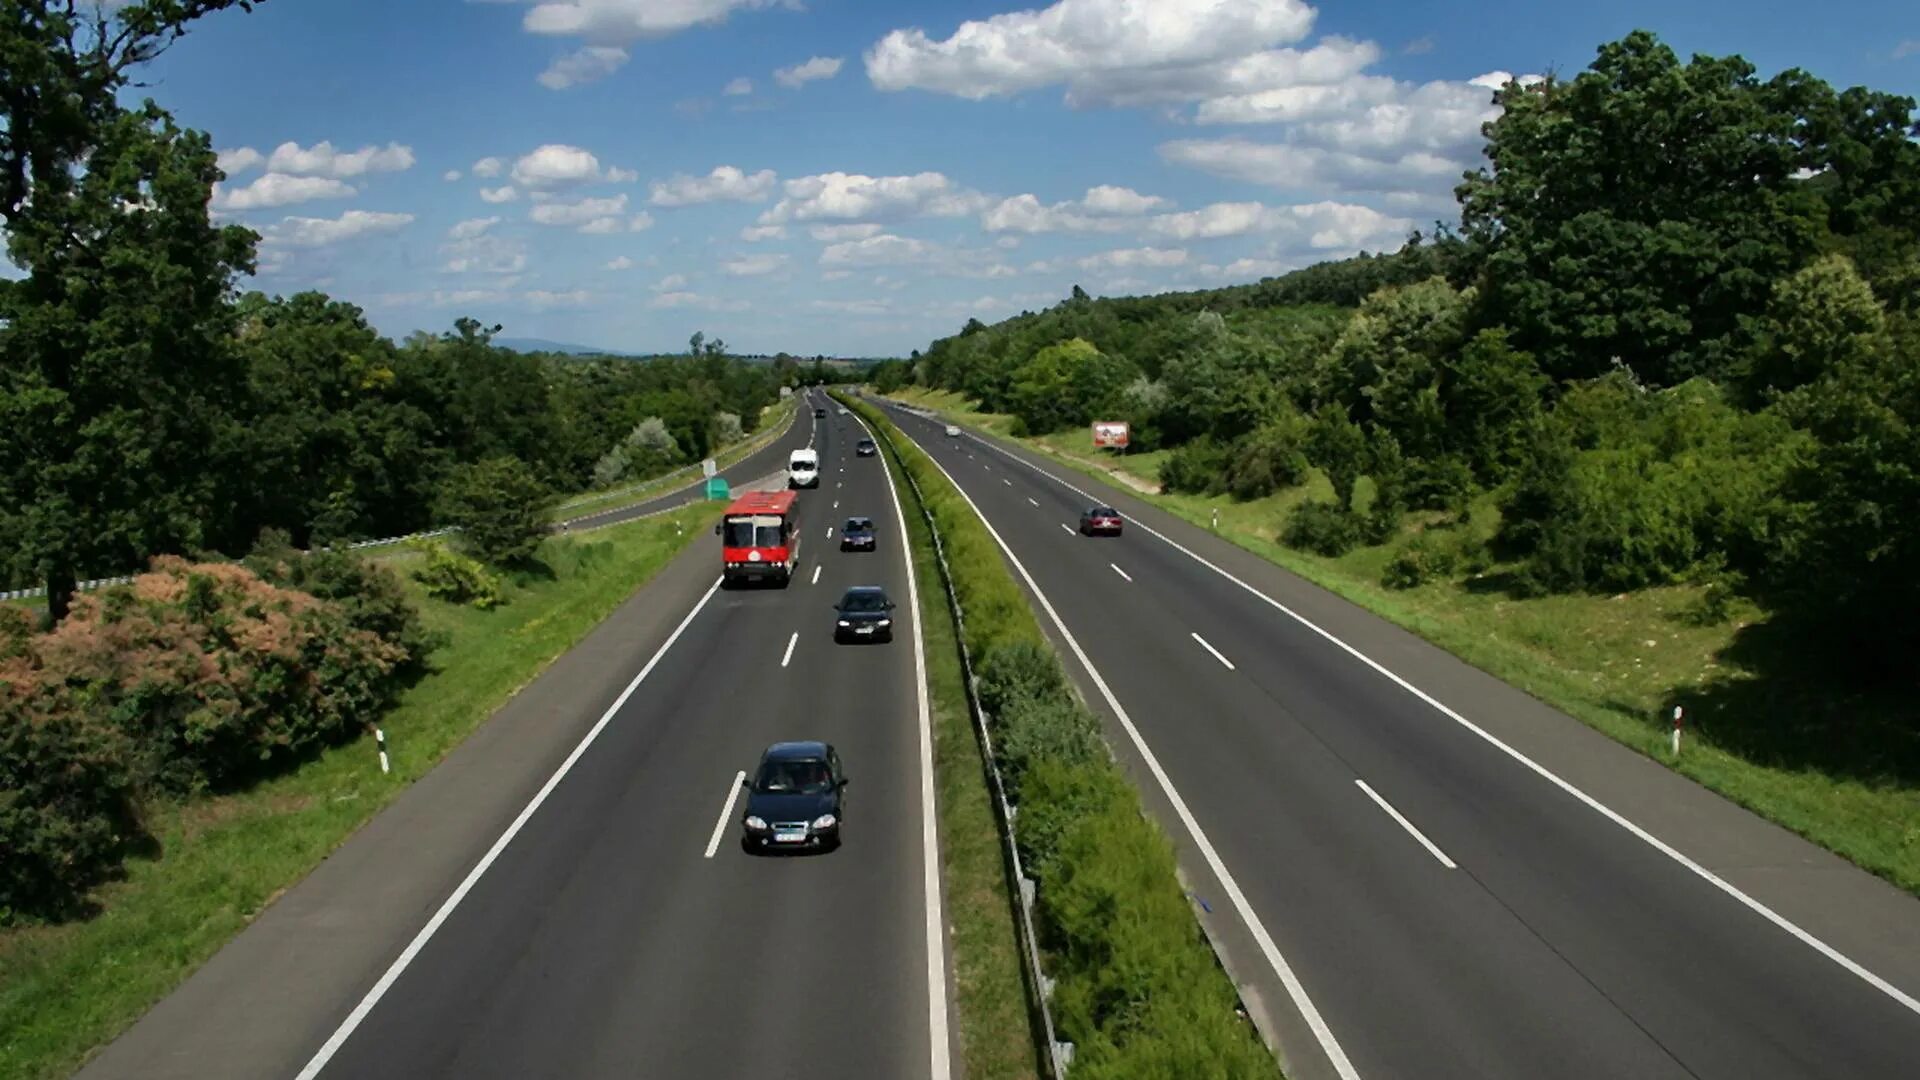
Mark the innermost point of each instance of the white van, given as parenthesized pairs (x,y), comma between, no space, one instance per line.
(803,469)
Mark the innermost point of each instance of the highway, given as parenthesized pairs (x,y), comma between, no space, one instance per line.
(1399,887)
(567,896)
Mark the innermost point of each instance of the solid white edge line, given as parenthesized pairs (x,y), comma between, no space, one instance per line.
(1117,570)
(399,965)
(941,1064)
(817,567)
(791,642)
(1207,645)
(733,793)
(1329,1045)
(1853,967)
(1432,848)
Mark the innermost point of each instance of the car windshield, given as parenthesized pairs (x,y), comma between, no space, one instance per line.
(760,530)
(864,601)
(1103,511)
(859,525)
(796,776)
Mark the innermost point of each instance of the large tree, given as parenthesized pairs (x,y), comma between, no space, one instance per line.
(113,350)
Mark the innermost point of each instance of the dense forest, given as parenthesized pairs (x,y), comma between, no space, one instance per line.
(1676,338)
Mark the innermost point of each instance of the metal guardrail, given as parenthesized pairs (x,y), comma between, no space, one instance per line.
(1059,1054)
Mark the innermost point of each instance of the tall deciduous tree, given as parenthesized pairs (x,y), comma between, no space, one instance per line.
(113,359)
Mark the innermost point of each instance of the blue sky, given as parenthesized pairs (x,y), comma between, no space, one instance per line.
(858,178)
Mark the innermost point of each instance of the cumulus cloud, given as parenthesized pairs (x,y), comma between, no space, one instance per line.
(239,160)
(754,265)
(670,283)
(819,67)
(583,214)
(738,87)
(1133,257)
(451,175)
(884,249)
(472,227)
(489,167)
(278,189)
(542,299)
(1289,165)
(586,65)
(853,307)
(1324,226)
(620,262)
(1103,209)
(322,232)
(502,194)
(833,234)
(321,159)
(620,21)
(698,301)
(472,248)
(839,196)
(557,165)
(757,233)
(725,182)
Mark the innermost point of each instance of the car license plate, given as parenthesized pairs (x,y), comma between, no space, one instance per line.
(864,630)
(790,836)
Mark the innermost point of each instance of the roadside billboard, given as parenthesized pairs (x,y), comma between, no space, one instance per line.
(1110,433)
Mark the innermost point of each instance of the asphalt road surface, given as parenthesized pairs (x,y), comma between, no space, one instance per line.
(1441,907)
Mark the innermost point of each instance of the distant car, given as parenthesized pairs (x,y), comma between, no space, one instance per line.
(843,410)
(953,429)
(865,448)
(1100,521)
(820,413)
(795,798)
(858,535)
(865,614)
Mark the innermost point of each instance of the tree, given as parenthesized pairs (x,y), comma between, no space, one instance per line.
(500,508)
(111,430)
(1337,445)
(1822,319)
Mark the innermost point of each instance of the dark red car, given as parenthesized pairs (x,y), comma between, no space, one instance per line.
(1100,521)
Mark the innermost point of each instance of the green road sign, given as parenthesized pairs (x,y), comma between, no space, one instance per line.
(716,487)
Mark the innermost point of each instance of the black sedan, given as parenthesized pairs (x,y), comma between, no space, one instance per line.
(1100,521)
(794,798)
(857,535)
(865,448)
(865,614)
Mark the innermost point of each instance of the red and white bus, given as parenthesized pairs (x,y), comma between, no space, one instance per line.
(760,538)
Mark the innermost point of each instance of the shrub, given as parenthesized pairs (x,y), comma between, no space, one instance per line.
(726,428)
(66,799)
(450,576)
(1323,528)
(368,594)
(1198,467)
(501,509)
(1442,483)
(1020,671)
(1421,560)
(1045,730)
(1271,457)
(212,674)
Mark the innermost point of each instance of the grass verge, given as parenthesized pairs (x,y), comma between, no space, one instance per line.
(1138,990)
(773,426)
(1616,663)
(65,990)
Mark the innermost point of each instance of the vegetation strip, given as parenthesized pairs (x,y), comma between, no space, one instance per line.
(1136,989)
(69,987)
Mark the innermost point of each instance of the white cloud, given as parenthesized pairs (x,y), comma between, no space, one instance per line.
(441,298)
(590,64)
(321,159)
(1293,166)
(620,21)
(1104,209)
(754,265)
(757,233)
(835,275)
(670,283)
(239,160)
(640,222)
(472,227)
(1085,44)
(885,249)
(557,165)
(320,232)
(853,307)
(489,167)
(542,300)
(725,182)
(1325,226)
(1909,47)
(832,234)
(584,214)
(819,67)
(279,189)
(1007,243)
(1133,257)
(696,300)
(502,194)
(620,262)
(451,175)
(738,87)
(839,196)
(602,226)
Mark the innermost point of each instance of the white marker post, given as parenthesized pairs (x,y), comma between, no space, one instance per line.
(380,739)
(1677,720)
(1216,519)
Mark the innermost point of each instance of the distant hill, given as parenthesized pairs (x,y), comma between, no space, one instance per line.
(543,345)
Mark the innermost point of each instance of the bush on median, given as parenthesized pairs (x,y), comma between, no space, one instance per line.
(1138,990)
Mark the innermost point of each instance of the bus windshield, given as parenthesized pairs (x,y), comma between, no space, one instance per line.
(760,530)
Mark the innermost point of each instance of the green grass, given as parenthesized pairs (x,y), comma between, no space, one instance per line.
(773,425)
(989,985)
(65,990)
(1614,662)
